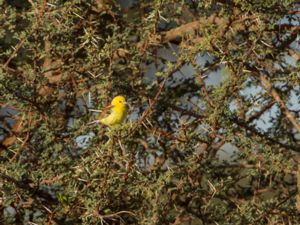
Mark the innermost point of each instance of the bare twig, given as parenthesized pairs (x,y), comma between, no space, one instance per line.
(257,115)
(16,49)
(154,100)
(273,93)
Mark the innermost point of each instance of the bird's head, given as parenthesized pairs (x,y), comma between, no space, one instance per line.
(118,101)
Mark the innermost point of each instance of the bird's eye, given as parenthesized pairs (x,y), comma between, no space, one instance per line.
(120,101)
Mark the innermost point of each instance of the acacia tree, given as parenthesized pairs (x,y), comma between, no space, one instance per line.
(61,58)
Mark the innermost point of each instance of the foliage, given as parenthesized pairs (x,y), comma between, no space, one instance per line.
(164,165)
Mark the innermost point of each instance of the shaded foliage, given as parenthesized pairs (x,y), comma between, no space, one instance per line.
(200,76)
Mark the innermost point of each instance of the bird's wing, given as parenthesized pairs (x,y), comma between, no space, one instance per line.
(105,112)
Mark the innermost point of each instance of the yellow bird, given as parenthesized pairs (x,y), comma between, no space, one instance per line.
(118,112)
